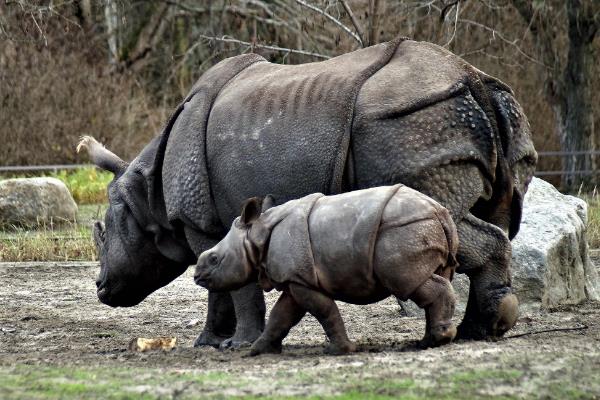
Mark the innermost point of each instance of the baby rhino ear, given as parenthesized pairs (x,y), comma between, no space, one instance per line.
(251,210)
(268,202)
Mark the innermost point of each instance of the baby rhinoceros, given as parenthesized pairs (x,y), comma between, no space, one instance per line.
(358,247)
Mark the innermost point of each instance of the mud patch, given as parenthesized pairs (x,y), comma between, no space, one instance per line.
(57,340)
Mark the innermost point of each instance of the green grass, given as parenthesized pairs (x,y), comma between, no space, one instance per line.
(109,382)
(87,185)
(67,241)
(45,382)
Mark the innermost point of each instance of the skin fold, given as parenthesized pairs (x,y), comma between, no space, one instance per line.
(399,112)
(359,247)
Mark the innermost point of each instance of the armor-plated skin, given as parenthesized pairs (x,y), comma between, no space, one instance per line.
(358,247)
(398,112)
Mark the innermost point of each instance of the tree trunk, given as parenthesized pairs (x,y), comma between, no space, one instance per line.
(86,13)
(574,109)
(112,20)
(373,35)
(568,88)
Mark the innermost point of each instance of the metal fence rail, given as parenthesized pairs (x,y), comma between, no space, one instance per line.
(569,153)
(55,168)
(585,172)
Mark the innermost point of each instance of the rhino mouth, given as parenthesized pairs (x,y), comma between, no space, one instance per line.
(112,299)
(101,293)
(115,296)
(204,279)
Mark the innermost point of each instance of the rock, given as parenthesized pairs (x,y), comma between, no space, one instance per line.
(32,202)
(550,261)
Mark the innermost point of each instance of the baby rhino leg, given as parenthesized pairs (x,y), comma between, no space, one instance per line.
(285,314)
(436,296)
(325,310)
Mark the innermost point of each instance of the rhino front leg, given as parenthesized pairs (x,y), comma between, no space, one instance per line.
(325,310)
(250,309)
(284,316)
(484,255)
(220,320)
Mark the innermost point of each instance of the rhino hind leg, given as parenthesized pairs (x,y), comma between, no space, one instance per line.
(286,313)
(437,297)
(484,255)
(483,252)
(324,309)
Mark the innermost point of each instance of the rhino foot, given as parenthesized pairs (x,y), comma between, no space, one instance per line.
(265,347)
(233,344)
(439,336)
(472,330)
(209,339)
(501,315)
(338,349)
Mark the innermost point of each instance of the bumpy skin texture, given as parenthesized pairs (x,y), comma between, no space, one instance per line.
(400,112)
(358,247)
(337,244)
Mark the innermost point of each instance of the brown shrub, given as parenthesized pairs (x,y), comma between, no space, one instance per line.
(56,88)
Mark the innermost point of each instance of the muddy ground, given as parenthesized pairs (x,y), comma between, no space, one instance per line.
(58,341)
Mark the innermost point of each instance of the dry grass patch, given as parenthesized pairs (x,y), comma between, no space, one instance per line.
(68,242)
(593,201)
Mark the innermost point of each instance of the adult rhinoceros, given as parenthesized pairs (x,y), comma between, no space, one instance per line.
(398,112)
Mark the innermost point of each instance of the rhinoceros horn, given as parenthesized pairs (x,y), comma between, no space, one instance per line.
(101,156)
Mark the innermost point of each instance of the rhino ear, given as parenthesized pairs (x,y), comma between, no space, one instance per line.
(256,241)
(516,213)
(101,156)
(268,202)
(251,210)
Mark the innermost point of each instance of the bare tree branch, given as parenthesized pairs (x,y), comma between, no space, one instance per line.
(357,26)
(499,35)
(455,24)
(575,328)
(149,37)
(266,47)
(332,19)
(40,30)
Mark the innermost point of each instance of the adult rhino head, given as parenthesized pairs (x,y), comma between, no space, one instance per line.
(138,249)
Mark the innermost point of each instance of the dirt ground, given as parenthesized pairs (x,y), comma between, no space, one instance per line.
(58,341)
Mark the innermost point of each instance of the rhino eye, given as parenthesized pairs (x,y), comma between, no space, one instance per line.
(213,259)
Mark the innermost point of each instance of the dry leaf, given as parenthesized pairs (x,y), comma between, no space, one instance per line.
(160,343)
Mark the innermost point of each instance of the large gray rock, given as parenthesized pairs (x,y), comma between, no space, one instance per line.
(550,261)
(32,202)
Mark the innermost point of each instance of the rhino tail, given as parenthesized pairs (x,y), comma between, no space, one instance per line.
(452,238)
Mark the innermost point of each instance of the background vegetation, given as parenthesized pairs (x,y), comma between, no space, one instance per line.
(65,242)
(115,69)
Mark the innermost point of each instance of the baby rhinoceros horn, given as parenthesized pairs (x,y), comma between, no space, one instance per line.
(101,156)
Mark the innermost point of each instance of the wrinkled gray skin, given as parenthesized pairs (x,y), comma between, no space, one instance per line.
(399,112)
(359,247)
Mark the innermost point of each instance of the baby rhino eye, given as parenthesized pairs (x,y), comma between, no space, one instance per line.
(213,259)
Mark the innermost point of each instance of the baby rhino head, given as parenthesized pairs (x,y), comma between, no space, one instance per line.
(232,263)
